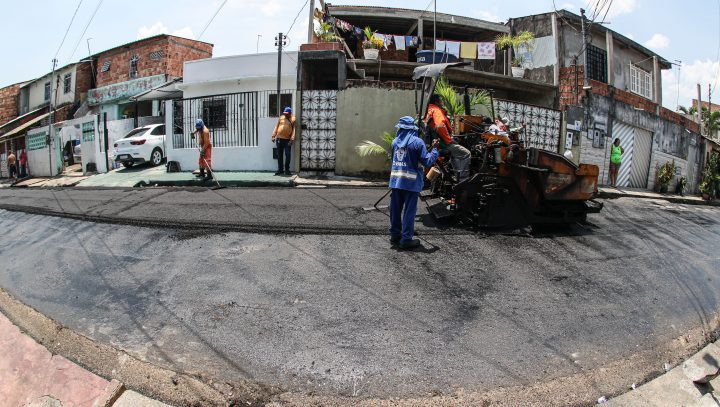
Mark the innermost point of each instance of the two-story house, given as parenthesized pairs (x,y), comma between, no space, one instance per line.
(131,69)
(609,87)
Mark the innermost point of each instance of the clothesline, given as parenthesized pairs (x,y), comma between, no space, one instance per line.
(460,49)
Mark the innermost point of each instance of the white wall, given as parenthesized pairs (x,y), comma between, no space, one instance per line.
(117,129)
(38,159)
(37,88)
(235,74)
(238,67)
(258,158)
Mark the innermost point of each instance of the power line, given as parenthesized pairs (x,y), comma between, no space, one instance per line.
(296,17)
(717,75)
(68,28)
(212,19)
(92,17)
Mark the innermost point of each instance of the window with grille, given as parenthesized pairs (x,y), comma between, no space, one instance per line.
(640,82)
(134,66)
(67,83)
(105,66)
(215,113)
(285,101)
(88,131)
(47,90)
(156,55)
(597,63)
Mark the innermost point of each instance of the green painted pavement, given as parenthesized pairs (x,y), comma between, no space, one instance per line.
(152,176)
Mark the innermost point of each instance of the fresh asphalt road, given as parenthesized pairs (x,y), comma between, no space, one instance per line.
(345,313)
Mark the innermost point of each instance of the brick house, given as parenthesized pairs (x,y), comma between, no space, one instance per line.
(622,98)
(130,69)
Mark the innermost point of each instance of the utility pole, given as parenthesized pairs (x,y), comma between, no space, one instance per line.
(699,108)
(434,30)
(50,117)
(584,48)
(709,99)
(311,22)
(279,42)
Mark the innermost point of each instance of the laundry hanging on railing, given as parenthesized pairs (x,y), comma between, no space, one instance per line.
(464,50)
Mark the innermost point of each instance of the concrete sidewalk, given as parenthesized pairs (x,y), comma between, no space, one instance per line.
(613,192)
(30,376)
(694,383)
(158,176)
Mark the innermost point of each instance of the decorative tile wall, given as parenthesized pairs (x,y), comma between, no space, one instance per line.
(317,145)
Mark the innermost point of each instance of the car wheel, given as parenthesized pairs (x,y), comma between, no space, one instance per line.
(127,164)
(156,157)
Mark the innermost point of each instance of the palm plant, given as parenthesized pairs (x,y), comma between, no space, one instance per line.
(325,32)
(710,120)
(524,38)
(453,101)
(370,148)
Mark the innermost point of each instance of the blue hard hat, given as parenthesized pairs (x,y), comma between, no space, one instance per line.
(406,122)
(287,110)
(199,124)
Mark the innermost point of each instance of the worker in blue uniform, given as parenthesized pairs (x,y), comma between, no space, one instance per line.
(409,157)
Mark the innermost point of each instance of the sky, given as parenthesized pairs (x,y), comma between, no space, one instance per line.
(686,31)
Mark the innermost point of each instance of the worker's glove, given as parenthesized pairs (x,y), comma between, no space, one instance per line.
(192,136)
(202,154)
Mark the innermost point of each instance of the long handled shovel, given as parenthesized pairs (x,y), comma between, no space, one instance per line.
(212,173)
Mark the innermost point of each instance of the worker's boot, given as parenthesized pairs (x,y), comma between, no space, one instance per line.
(201,174)
(208,175)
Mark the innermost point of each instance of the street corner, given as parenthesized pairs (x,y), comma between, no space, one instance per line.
(31,375)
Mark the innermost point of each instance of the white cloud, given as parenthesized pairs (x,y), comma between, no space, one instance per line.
(488,16)
(658,41)
(160,28)
(185,32)
(155,29)
(630,35)
(567,6)
(702,72)
(620,7)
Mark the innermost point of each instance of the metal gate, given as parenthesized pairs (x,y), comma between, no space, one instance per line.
(640,167)
(317,144)
(637,144)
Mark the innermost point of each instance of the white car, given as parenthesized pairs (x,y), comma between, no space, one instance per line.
(141,145)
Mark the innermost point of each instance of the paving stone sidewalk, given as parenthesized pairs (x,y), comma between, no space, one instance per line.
(30,376)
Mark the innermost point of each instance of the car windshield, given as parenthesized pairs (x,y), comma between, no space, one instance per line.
(136,132)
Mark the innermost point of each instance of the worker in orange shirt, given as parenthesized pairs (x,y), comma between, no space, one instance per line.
(440,126)
(205,146)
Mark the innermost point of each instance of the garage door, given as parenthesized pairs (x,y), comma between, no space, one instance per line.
(636,159)
(640,167)
(626,134)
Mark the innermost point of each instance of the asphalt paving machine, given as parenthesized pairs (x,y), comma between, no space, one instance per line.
(510,185)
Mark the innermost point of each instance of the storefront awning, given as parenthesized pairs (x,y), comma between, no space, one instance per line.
(20,129)
(166,91)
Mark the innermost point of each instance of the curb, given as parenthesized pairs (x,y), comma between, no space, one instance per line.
(123,369)
(673,199)
(197,183)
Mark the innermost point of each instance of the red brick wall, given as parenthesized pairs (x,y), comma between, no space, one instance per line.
(571,81)
(175,51)
(181,50)
(9,103)
(83,81)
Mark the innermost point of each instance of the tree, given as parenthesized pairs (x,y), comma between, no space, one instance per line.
(710,120)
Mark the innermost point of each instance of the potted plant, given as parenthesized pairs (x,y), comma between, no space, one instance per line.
(525,40)
(710,178)
(372,45)
(680,188)
(326,37)
(453,100)
(665,174)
